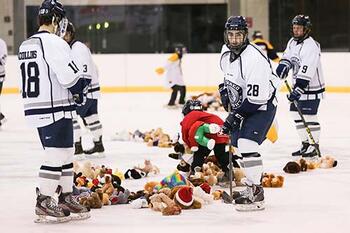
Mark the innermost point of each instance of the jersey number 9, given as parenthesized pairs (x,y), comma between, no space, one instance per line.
(30,80)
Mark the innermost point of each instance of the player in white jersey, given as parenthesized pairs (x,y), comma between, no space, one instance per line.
(89,111)
(51,82)
(303,56)
(248,93)
(3,56)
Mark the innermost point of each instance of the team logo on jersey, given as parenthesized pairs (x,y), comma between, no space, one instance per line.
(296,65)
(234,93)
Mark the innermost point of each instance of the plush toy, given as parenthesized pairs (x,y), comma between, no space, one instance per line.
(238,175)
(217,194)
(328,162)
(272,181)
(161,202)
(292,167)
(184,198)
(108,186)
(134,174)
(94,201)
(201,196)
(174,179)
(119,174)
(119,197)
(149,186)
(148,168)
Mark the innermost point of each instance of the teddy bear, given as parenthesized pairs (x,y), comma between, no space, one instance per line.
(328,162)
(272,181)
(94,201)
(202,196)
(148,168)
(149,186)
(183,197)
(292,167)
(119,197)
(161,202)
(217,194)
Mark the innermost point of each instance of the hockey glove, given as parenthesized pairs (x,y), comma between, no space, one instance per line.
(283,68)
(79,91)
(224,96)
(295,94)
(232,123)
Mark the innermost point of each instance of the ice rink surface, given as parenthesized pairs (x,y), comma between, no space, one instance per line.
(316,201)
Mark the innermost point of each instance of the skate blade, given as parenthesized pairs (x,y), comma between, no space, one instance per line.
(80,216)
(96,155)
(256,206)
(51,220)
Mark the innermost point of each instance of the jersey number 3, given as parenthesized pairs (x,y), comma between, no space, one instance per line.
(30,79)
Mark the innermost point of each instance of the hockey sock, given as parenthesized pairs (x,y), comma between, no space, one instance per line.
(66,180)
(51,170)
(313,124)
(77,130)
(95,126)
(252,162)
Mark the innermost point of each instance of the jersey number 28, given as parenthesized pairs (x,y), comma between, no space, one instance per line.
(30,85)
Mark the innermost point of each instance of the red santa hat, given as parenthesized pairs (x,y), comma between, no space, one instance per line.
(206,187)
(185,196)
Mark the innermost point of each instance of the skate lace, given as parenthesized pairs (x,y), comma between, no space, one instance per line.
(69,199)
(52,204)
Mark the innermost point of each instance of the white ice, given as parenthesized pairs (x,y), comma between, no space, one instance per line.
(316,201)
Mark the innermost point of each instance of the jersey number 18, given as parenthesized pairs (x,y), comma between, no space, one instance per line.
(30,86)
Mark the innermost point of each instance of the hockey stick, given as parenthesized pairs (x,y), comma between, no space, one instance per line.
(304,121)
(230,160)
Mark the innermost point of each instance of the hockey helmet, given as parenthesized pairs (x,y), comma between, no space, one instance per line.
(236,23)
(191,105)
(304,21)
(50,9)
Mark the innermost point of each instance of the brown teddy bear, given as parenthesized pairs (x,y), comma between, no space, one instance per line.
(272,181)
(161,202)
(94,201)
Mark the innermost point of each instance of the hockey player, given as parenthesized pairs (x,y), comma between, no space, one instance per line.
(174,76)
(89,111)
(265,45)
(51,83)
(247,92)
(200,133)
(303,56)
(3,56)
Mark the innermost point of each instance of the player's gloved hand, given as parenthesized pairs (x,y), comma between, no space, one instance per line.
(179,148)
(232,123)
(80,90)
(295,94)
(224,96)
(283,68)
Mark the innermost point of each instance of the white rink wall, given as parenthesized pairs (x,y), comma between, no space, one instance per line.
(137,70)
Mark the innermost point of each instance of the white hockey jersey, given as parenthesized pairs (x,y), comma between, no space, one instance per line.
(3,56)
(305,58)
(173,69)
(250,76)
(82,57)
(47,71)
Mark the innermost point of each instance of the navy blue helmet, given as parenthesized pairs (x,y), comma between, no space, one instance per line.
(236,23)
(304,21)
(192,105)
(52,8)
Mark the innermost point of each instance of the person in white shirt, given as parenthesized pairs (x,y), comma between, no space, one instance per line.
(303,57)
(174,76)
(248,94)
(89,111)
(51,86)
(3,56)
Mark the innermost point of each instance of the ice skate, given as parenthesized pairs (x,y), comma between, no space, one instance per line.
(78,212)
(310,153)
(97,150)
(251,200)
(171,106)
(2,119)
(78,148)
(48,211)
(302,150)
